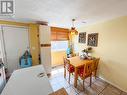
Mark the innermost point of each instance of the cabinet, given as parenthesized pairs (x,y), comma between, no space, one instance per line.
(45,50)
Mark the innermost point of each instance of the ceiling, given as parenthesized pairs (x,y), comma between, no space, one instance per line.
(60,12)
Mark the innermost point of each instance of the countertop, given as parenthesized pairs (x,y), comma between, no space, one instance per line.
(26,82)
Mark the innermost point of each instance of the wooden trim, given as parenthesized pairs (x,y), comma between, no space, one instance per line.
(3,22)
(45,45)
(58,29)
(60,40)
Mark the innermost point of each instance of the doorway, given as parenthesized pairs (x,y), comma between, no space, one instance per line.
(15,43)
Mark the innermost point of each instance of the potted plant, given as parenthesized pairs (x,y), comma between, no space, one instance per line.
(86,53)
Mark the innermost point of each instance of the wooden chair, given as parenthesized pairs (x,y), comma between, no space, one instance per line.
(86,72)
(95,66)
(68,67)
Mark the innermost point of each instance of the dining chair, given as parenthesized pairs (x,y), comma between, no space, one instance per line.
(95,66)
(86,72)
(68,67)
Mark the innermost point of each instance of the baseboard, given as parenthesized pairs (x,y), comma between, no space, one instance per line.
(112,84)
(57,65)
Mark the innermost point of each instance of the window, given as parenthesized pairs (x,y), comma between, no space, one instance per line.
(59,45)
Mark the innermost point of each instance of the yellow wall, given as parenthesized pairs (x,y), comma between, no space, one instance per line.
(57,57)
(112,50)
(34,41)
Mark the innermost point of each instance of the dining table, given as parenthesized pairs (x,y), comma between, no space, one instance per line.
(77,63)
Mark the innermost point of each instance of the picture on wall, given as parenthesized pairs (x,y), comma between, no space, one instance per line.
(82,37)
(92,39)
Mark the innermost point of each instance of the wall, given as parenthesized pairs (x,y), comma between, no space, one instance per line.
(112,50)
(57,57)
(34,41)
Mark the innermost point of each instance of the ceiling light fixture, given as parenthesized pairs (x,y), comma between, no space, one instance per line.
(73,30)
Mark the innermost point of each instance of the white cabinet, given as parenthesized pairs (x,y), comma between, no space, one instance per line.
(45,34)
(45,43)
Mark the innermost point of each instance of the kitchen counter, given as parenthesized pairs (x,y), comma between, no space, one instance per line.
(27,82)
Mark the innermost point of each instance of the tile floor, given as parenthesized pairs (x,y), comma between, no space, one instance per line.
(98,87)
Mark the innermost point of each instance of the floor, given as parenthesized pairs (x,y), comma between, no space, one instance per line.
(98,87)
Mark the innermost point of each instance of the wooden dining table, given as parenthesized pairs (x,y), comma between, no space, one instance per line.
(77,63)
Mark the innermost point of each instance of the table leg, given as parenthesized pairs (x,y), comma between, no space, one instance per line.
(76,77)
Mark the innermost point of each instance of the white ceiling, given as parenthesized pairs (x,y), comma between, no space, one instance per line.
(60,12)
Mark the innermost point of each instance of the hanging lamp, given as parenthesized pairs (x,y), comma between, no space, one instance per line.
(73,29)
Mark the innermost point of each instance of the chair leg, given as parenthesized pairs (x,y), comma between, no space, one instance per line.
(83,85)
(69,77)
(95,74)
(90,80)
(64,72)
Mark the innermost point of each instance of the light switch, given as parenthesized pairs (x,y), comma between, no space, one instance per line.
(33,48)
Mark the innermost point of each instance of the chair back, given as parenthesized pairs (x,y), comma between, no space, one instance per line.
(88,69)
(66,62)
(95,64)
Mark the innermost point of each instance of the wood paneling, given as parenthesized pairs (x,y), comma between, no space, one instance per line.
(53,35)
(58,34)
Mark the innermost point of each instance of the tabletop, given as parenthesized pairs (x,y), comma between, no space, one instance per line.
(77,62)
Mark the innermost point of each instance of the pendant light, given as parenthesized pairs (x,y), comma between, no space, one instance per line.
(73,30)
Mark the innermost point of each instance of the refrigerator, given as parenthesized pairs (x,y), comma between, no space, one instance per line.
(45,47)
